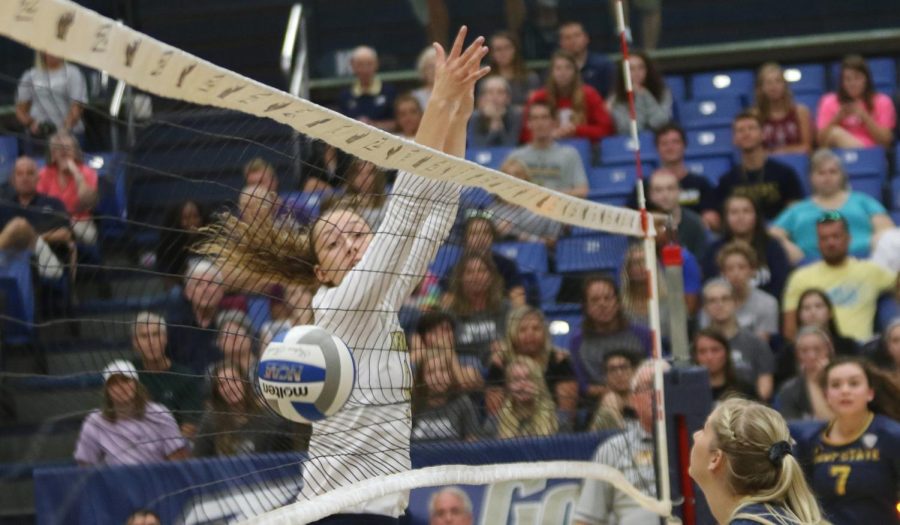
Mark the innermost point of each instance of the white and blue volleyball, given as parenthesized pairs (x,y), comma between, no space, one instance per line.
(308,376)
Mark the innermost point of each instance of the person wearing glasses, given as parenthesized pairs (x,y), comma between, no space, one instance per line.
(853,285)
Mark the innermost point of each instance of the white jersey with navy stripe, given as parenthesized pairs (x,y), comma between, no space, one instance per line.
(370,436)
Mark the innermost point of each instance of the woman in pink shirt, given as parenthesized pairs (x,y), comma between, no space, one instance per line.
(68,179)
(856,116)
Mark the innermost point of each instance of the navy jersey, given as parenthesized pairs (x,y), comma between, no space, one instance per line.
(763,513)
(857,482)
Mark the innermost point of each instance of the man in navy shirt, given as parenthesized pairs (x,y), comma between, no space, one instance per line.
(191,318)
(596,69)
(368,100)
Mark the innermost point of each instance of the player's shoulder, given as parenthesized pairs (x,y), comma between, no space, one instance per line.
(886,428)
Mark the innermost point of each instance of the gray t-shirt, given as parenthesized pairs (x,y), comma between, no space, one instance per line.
(650,113)
(558,167)
(455,420)
(751,356)
(759,313)
(52,93)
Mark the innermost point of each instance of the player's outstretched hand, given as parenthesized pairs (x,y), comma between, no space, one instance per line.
(457,72)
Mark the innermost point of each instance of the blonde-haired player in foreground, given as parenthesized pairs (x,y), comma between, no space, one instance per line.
(742,461)
(363,279)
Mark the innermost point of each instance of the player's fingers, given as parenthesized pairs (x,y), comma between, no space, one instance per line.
(477,55)
(478,75)
(458,43)
(440,54)
(473,49)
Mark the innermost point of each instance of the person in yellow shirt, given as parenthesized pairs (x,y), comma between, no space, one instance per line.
(852,285)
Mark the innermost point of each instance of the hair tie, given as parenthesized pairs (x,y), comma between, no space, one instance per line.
(778,451)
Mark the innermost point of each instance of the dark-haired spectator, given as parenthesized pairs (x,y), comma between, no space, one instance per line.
(168,383)
(425,67)
(507,61)
(814,310)
(757,311)
(178,235)
(743,222)
(495,122)
(479,236)
(712,351)
(550,164)
(853,285)
(619,366)
(652,99)
(128,429)
(604,328)
(855,116)
(234,423)
(787,125)
(751,358)
(663,196)
(772,184)
(49,98)
(436,335)
(475,297)
(368,100)
(517,223)
(441,408)
(867,218)
(260,172)
(579,109)
(595,69)
(31,221)
(801,396)
(528,409)
(408,111)
(636,289)
(143,517)
(191,317)
(67,178)
(527,335)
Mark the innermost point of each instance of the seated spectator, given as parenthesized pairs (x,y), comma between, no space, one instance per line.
(613,407)
(495,122)
(436,335)
(409,112)
(663,197)
(479,236)
(795,227)
(528,409)
(579,110)
(711,351)
(143,517)
(630,453)
(128,429)
(475,298)
(234,423)
(67,178)
(235,341)
(191,318)
(442,411)
(604,329)
(178,235)
(773,185)
(550,164)
(368,100)
(801,396)
(517,223)
(636,289)
(853,285)
(855,116)
(425,68)
(527,335)
(887,355)
(595,69)
(757,311)
(450,506)
(507,61)
(256,204)
(696,190)
(168,383)
(50,98)
(652,99)
(743,222)
(751,358)
(260,172)
(35,222)
(787,125)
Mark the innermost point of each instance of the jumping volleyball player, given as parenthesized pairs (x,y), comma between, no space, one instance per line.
(363,280)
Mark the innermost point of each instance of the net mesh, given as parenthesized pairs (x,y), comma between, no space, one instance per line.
(186,253)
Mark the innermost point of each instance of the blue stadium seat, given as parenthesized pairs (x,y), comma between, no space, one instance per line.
(895,216)
(805,78)
(562,325)
(106,164)
(549,285)
(583,147)
(800,163)
(888,310)
(895,196)
(865,162)
(9,151)
(530,257)
(615,181)
(258,311)
(723,83)
(590,253)
(471,197)
(611,200)
(618,149)
(305,206)
(16,297)
(884,74)
(811,101)
(712,142)
(445,259)
(871,186)
(709,112)
(490,157)
(677,87)
(712,168)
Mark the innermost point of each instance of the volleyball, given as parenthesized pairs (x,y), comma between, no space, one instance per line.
(308,376)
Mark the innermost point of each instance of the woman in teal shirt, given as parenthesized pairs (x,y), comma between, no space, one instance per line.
(795,227)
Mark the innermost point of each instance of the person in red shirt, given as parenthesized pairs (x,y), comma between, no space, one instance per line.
(68,179)
(580,108)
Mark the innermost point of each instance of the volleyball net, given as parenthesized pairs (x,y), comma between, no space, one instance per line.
(493,376)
